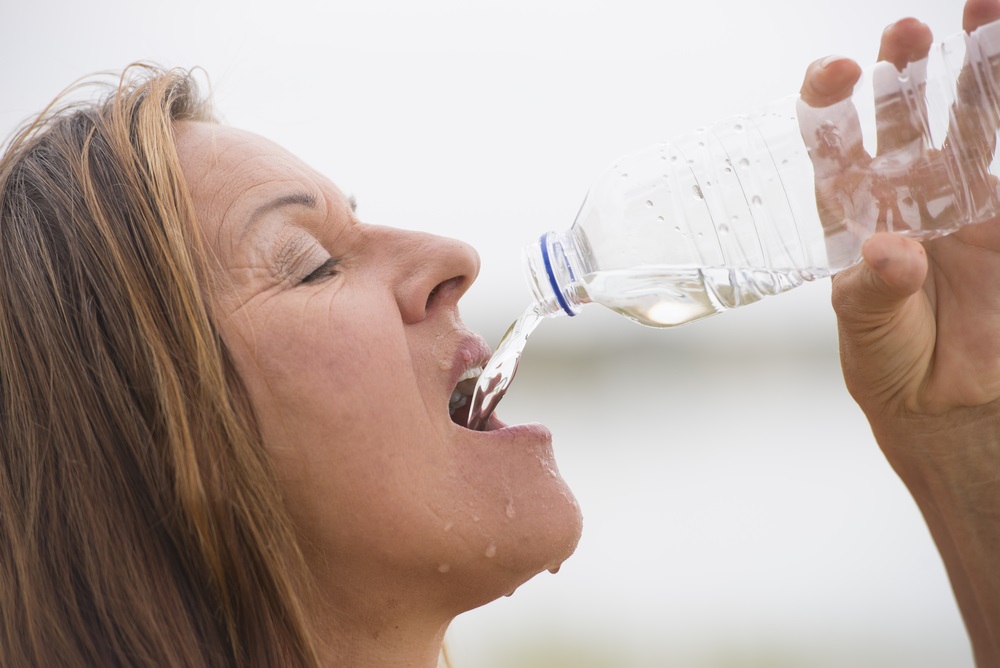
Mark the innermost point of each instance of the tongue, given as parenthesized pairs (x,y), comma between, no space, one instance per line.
(461,414)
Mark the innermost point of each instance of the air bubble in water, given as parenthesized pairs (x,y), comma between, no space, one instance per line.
(757,201)
(649,203)
(744,163)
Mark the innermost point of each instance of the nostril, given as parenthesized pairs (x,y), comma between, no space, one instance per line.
(440,290)
(430,297)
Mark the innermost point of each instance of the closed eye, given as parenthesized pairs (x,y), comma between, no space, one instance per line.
(325,270)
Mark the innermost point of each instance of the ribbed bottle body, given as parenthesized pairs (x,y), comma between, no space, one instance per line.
(758,204)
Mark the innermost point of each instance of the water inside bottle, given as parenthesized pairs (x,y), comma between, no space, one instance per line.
(667,296)
(657,296)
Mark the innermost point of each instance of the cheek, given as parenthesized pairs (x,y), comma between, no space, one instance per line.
(344,422)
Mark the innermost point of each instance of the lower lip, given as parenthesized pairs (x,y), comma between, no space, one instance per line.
(495,429)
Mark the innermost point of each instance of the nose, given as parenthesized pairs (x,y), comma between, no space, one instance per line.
(432,271)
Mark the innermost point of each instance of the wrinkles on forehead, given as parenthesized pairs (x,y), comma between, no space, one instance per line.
(241,184)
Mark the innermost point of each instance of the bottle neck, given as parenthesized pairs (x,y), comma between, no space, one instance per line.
(555,271)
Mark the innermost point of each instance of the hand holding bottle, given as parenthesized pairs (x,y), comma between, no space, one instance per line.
(920,340)
(935,135)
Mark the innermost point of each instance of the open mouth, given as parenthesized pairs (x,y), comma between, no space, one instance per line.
(460,404)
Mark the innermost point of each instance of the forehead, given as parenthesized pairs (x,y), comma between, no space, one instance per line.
(231,172)
(234,175)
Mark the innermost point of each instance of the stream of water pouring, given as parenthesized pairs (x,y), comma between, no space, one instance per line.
(500,370)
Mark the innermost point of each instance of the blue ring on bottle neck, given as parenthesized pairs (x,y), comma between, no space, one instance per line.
(544,241)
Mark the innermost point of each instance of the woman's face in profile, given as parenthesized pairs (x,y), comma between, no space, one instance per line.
(348,339)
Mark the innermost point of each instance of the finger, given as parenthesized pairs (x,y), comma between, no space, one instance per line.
(974,122)
(828,119)
(829,81)
(979,12)
(870,294)
(904,41)
(901,118)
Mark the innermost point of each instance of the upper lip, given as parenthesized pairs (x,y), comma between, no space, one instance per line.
(472,353)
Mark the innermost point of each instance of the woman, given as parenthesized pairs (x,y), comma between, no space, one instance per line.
(226,409)
(226,424)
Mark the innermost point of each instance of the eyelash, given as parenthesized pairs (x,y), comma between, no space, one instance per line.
(325,270)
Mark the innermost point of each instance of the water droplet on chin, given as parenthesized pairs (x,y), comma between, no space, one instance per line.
(444,568)
(555,569)
(448,526)
(491,551)
(511,513)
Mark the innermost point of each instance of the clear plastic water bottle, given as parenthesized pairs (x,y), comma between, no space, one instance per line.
(758,204)
(754,206)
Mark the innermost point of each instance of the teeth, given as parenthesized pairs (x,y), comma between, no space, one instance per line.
(463,390)
(474,372)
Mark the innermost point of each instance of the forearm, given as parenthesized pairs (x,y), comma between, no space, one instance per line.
(953,472)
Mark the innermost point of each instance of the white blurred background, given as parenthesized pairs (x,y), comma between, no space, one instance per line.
(738,513)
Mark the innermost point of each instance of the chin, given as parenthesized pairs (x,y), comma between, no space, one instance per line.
(541,549)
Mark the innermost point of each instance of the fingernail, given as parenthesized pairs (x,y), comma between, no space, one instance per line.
(830,59)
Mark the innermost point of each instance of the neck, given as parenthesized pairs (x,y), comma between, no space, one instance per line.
(374,626)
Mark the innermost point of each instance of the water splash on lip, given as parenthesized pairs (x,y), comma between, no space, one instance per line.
(499,371)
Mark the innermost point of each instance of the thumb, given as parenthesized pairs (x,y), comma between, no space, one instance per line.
(873,292)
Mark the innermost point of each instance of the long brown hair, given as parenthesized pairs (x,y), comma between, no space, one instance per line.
(139,521)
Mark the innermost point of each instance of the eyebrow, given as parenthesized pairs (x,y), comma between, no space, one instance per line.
(295,199)
(305,199)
